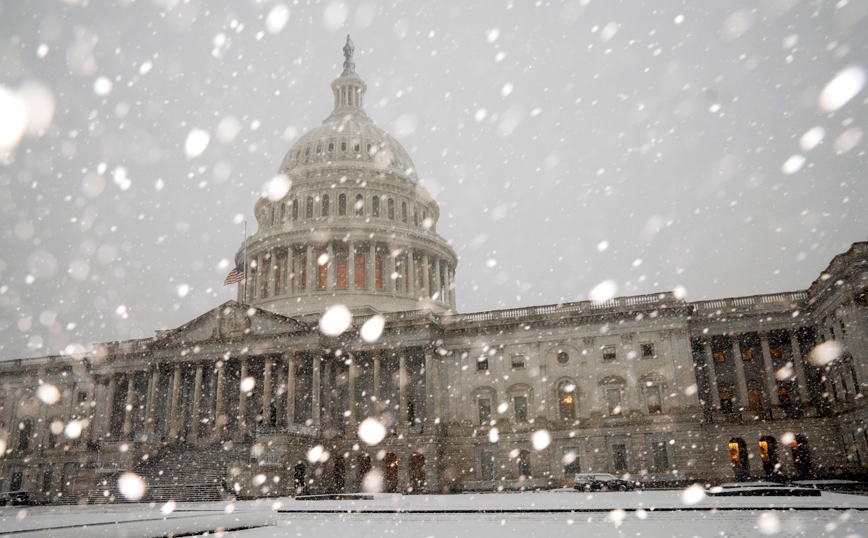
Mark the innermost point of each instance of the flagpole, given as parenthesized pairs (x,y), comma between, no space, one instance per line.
(244,264)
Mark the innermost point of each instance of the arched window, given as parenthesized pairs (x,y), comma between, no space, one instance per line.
(375,207)
(524,468)
(567,400)
(282,212)
(391,209)
(295,209)
(331,147)
(613,387)
(403,211)
(318,149)
(415,216)
(308,210)
(359,206)
(342,205)
(769,453)
(25,430)
(326,210)
(738,458)
(343,146)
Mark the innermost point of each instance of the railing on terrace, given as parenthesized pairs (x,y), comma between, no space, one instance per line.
(754,301)
(584,306)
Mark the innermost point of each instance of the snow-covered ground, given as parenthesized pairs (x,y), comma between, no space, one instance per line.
(648,514)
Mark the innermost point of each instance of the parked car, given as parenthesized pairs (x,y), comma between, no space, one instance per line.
(602,482)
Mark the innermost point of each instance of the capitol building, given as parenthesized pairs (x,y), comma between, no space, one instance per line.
(261,396)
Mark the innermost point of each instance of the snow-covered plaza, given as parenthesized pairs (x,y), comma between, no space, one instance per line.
(652,514)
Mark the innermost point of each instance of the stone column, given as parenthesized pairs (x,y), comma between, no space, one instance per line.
(740,379)
(377,375)
(432,411)
(197,397)
(311,264)
(769,371)
(153,387)
(391,283)
(799,366)
(290,389)
(219,419)
(403,398)
(351,264)
(426,274)
(242,403)
(371,273)
(330,268)
(411,285)
(272,271)
(438,285)
(266,393)
(315,389)
(712,376)
(351,396)
(128,408)
(451,285)
(175,409)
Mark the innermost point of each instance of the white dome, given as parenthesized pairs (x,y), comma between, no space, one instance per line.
(351,139)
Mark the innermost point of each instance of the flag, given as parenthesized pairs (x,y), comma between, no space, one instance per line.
(235,276)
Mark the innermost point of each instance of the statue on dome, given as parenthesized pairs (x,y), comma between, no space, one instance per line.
(349,66)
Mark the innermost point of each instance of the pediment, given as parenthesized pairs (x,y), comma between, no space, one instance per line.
(230,321)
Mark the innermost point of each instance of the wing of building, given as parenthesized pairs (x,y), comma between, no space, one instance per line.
(254,399)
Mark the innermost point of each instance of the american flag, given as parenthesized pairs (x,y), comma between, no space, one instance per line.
(235,276)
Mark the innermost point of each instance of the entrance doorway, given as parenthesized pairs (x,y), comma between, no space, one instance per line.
(390,473)
(417,472)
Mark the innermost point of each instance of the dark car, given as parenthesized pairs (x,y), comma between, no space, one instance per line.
(602,482)
(14,498)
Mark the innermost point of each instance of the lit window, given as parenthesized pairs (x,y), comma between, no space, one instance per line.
(754,400)
(518,362)
(776,352)
(647,350)
(719,356)
(567,401)
(747,355)
(609,353)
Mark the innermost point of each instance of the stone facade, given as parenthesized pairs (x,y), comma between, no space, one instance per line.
(252,399)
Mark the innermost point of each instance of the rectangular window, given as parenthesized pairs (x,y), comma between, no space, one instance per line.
(613,397)
(619,458)
(341,269)
(518,362)
(482,364)
(520,405)
(753,399)
(609,353)
(322,282)
(726,401)
(278,275)
(747,355)
(719,356)
(302,275)
(359,271)
(46,480)
(484,407)
(486,465)
(571,460)
(661,458)
(652,395)
(647,350)
(378,271)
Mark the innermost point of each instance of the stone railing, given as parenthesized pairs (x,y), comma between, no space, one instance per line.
(616,304)
(771,301)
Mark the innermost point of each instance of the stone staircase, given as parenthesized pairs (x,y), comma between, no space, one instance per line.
(188,474)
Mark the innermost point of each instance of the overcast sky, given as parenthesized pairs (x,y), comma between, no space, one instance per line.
(654,144)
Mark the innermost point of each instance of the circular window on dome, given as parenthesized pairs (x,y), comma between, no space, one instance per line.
(563,357)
